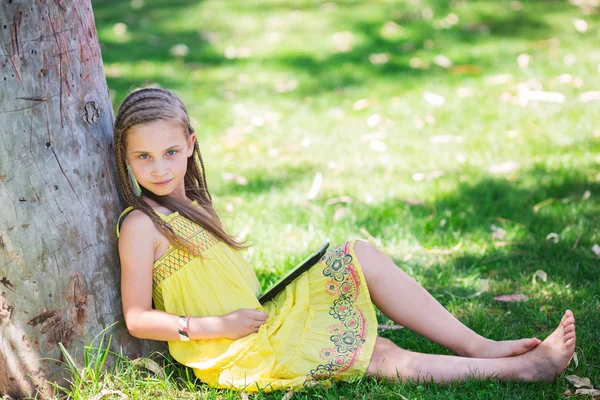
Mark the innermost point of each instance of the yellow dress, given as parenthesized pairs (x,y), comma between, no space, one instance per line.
(322,326)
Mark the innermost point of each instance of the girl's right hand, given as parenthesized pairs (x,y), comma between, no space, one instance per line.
(242,322)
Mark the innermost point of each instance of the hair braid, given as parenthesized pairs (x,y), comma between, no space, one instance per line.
(146,106)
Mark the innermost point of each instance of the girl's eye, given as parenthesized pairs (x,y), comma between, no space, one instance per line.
(171,152)
(144,156)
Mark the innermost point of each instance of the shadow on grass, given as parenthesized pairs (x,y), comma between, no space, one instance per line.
(532,209)
(491,22)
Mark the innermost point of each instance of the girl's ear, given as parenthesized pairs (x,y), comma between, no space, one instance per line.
(191,141)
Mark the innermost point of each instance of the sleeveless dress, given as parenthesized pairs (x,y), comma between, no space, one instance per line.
(321,327)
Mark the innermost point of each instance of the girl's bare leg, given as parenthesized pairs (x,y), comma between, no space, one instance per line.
(544,362)
(407,303)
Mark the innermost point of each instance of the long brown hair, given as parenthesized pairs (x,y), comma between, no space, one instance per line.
(145,106)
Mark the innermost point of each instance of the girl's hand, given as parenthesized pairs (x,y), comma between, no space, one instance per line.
(240,323)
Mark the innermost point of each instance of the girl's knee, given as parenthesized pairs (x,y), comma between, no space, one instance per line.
(369,258)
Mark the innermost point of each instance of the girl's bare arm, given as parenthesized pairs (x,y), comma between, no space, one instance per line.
(136,250)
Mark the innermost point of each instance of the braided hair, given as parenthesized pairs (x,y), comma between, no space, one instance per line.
(149,105)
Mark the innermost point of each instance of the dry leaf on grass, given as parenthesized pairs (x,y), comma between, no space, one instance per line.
(341,199)
(575,359)
(150,365)
(552,236)
(504,167)
(389,327)
(107,392)
(288,395)
(539,274)
(596,249)
(434,99)
(595,393)
(378,146)
(497,232)
(316,186)
(339,213)
(541,204)
(240,180)
(512,298)
(589,96)
(243,396)
(579,382)
(465,69)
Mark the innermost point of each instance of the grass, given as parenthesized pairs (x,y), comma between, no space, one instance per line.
(282,90)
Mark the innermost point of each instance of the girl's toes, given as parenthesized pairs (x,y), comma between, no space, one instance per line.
(569,328)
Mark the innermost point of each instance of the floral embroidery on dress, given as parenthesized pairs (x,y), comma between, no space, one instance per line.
(349,334)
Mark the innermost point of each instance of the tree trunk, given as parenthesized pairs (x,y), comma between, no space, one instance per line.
(59,273)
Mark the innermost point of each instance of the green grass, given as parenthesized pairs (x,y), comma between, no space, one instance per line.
(292,109)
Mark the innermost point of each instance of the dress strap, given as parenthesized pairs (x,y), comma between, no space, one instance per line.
(121,218)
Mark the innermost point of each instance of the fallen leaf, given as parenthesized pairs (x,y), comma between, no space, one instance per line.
(339,213)
(585,392)
(379,58)
(378,146)
(497,233)
(552,236)
(589,96)
(150,365)
(374,120)
(386,327)
(523,60)
(442,139)
(240,180)
(316,186)
(580,25)
(179,50)
(288,395)
(526,96)
(504,167)
(596,249)
(442,61)
(511,298)
(579,382)
(342,41)
(465,69)
(541,204)
(434,99)
(539,274)
(361,104)
(575,359)
(107,392)
(341,199)
(243,396)
(499,79)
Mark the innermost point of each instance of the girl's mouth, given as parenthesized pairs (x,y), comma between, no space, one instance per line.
(163,183)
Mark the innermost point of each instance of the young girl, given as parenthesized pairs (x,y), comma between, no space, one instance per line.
(175,252)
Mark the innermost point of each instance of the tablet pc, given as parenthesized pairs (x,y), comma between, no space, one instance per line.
(293,274)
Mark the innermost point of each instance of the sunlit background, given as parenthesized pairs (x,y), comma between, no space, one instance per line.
(461,137)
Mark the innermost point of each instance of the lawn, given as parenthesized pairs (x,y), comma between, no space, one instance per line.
(462,138)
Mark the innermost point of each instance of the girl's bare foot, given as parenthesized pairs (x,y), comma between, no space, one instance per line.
(503,348)
(552,356)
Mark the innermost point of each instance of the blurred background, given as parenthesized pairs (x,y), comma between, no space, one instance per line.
(461,137)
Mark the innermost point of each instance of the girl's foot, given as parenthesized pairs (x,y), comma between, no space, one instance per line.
(552,356)
(503,348)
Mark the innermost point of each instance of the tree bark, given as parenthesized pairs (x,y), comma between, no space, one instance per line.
(59,273)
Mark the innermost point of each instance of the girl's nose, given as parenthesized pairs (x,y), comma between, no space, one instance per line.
(159,169)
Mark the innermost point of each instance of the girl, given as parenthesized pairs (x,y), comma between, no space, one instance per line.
(175,252)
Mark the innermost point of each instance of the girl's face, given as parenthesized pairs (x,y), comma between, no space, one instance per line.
(157,153)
